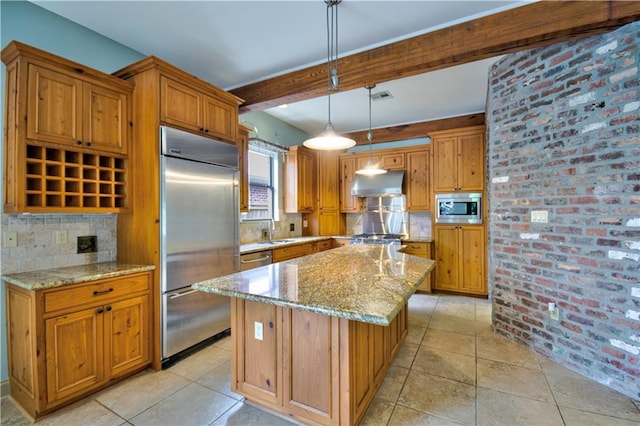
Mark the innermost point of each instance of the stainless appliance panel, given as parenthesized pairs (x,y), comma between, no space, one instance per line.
(255,260)
(191,316)
(386,215)
(459,208)
(199,222)
(181,144)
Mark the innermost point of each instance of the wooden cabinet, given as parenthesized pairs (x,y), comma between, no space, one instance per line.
(300,180)
(348,166)
(67,135)
(190,108)
(418,182)
(458,159)
(290,252)
(421,249)
(65,342)
(139,230)
(327,219)
(243,166)
(314,368)
(460,258)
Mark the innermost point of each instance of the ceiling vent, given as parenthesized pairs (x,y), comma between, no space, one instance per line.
(381,96)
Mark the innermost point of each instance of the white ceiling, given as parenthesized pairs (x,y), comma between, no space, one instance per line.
(232,43)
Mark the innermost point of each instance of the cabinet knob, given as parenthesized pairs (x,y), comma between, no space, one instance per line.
(202,129)
(88,143)
(108,308)
(99,311)
(78,142)
(206,130)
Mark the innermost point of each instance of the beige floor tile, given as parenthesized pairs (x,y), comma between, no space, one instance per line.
(392,384)
(573,417)
(191,405)
(423,303)
(10,415)
(513,379)
(498,348)
(419,319)
(406,355)
(588,395)
(452,324)
(136,394)
(441,397)
(415,335)
(378,413)
(459,310)
(78,413)
(450,342)
(446,364)
(408,416)
(550,368)
(224,343)
(243,414)
(200,363)
(219,379)
(495,408)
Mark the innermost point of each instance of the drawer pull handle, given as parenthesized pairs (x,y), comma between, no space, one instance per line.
(100,293)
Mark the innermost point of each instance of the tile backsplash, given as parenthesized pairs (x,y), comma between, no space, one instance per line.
(419,224)
(251,231)
(36,240)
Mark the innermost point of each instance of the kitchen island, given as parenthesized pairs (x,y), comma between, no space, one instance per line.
(313,337)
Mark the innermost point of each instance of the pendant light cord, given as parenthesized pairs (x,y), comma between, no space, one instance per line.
(332,50)
(370,132)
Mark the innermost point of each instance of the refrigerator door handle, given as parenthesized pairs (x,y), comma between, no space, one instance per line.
(184,293)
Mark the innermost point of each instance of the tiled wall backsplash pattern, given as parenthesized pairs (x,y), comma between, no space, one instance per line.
(251,231)
(36,240)
(419,224)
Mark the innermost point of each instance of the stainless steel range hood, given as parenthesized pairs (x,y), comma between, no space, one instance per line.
(388,184)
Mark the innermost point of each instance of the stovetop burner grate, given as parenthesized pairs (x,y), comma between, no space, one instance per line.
(377,238)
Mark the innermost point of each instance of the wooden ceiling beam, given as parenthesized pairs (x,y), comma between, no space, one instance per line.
(524,27)
(415,130)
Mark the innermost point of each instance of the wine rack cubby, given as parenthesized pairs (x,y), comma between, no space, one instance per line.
(64,179)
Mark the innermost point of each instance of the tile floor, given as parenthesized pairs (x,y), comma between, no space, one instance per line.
(452,369)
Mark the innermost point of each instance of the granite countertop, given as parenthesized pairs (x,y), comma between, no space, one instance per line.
(57,277)
(362,282)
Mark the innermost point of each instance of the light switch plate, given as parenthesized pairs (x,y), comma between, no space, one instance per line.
(539,216)
(61,237)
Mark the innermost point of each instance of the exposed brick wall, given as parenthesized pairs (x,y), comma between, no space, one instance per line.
(564,136)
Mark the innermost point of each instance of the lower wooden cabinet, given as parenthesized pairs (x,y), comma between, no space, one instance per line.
(460,258)
(425,250)
(311,367)
(66,342)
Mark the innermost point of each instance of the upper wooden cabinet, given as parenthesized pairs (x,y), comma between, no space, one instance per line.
(190,108)
(418,181)
(67,135)
(348,166)
(243,166)
(300,180)
(64,109)
(458,157)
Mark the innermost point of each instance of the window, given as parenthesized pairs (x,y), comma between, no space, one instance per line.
(262,185)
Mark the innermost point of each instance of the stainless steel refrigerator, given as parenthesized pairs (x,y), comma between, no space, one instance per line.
(199,222)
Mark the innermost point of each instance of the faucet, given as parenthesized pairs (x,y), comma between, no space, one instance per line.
(271,229)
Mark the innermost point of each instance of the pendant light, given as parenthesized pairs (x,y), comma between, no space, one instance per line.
(370,169)
(330,140)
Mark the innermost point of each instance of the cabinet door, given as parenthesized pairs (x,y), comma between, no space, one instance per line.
(445,161)
(472,259)
(471,162)
(446,238)
(330,223)
(363,160)
(127,331)
(180,105)
(418,187)
(393,161)
(220,119)
(243,168)
(54,107)
(74,352)
(328,181)
(307,182)
(105,124)
(348,203)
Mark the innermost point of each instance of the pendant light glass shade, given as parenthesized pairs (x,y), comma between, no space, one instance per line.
(370,169)
(329,140)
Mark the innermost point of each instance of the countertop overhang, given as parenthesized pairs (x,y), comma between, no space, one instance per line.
(362,282)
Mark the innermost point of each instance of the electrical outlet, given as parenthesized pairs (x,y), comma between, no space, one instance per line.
(539,216)
(258,330)
(61,237)
(87,244)
(292,227)
(305,224)
(265,234)
(554,311)
(10,239)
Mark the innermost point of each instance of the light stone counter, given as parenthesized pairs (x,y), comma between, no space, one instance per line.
(363,282)
(284,242)
(57,277)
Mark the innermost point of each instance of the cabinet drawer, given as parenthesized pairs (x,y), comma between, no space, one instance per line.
(324,245)
(418,249)
(96,292)
(393,161)
(291,252)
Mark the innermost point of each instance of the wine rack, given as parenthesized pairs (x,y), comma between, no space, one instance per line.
(71,180)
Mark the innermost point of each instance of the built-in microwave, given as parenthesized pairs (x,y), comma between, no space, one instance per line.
(459,208)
